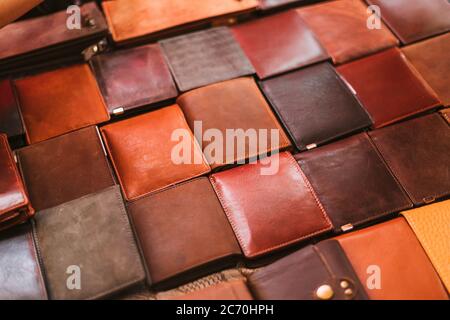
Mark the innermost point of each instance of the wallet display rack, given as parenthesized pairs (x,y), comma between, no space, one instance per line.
(94,206)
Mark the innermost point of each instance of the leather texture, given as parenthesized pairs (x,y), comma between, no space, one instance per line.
(93,233)
(173,224)
(141,151)
(60,101)
(145,18)
(299,275)
(389,87)
(341,27)
(352,182)
(446,114)
(65,168)
(315,105)
(417,152)
(234,104)
(404,269)
(205,57)
(227,290)
(15,207)
(133,78)
(10,121)
(259,204)
(273,4)
(430,225)
(430,58)
(415,20)
(20,273)
(293,45)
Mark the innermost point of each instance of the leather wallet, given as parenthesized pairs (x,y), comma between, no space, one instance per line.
(446,114)
(141,150)
(316,272)
(10,120)
(60,101)
(430,58)
(215,108)
(173,224)
(294,44)
(65,168)
(260,198)
(415,20)
(417,152)
(226,290)
(15,207)
(20,272)
(389,87)
(47,41)
(91,238)
(430,225)
(315,105)
(352,182)
(149,20)
(205,57)
(341,27)
(391,263)
(130,79)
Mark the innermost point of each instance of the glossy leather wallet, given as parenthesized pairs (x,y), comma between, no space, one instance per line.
(430,225)
(294,44)
(173,224)
(20,272)
(50,109)
(389,87)
(415,20)
(147,20)
(90,236)
(315,105)
(418,153)
(316,272)
(341,26)
(391,263)
(205,57)
(45,41)
(130,79)
(15,207)
(141,150)
(430,58)
(259,198)
(10,120)
(352,182)
(65,168)
(215,108)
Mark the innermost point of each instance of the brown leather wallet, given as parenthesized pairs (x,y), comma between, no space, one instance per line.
(10,120)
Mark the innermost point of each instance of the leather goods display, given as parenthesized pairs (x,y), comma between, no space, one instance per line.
(315,105)
(91,234)
(141,151)
(15,207)
(47,40)
(430,225)
(389,87)
(415,20)
(391,263)
(430,58)
(173,224)
(49,109)
(293,44)
(20,273)
(235,104)
(316,272)
(130,79)
(341,27)
(259,198)
(154,19)
(417,152)
(10,121)
(230,290)
(205,57)
(352,182)
(65,168)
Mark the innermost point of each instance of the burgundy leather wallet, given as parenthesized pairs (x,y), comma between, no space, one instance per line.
(10,119)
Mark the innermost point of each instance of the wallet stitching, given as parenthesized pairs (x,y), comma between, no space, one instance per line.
(38,269)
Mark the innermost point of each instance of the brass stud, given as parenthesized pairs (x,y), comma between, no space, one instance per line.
(325,292)
(348,292)
(344,284)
